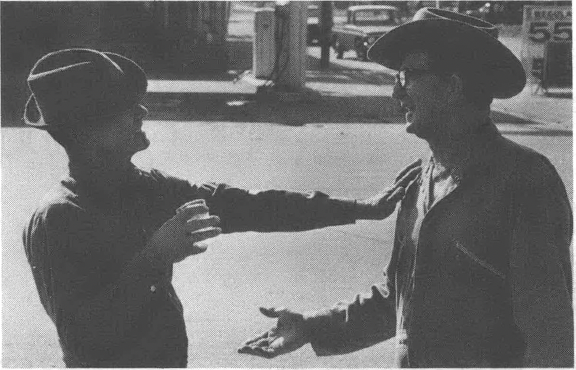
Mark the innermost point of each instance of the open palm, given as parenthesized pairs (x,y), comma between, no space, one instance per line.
(288,335)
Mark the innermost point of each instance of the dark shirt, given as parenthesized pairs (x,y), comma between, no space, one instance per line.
(111,306)
(435,183)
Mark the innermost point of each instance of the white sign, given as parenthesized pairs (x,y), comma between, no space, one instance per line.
(542,24)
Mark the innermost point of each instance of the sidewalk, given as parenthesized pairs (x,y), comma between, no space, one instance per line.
(348,92)
(332,96)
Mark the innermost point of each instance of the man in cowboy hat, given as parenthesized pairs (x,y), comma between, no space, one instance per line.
(102,243)
(480,271)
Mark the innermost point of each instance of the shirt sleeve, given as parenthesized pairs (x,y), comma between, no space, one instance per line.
(263,211)
(347,327)
(274,210)
(92,321)
(540,272)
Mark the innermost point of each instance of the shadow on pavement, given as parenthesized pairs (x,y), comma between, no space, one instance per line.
(560,95)
(544,132)
(250,108)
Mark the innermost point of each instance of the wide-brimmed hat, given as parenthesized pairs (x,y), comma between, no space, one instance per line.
(73,86)
(466,42)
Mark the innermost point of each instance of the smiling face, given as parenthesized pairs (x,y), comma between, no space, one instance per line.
(424,97)
(120,136)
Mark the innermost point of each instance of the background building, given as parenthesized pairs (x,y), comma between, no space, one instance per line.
(165,37)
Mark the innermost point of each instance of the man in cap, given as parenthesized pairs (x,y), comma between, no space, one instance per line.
(480,270)
(102,243)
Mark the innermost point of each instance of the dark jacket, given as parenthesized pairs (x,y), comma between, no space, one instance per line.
(492,283)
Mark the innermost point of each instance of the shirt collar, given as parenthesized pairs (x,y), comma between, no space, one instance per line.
(103,179)
(481,154)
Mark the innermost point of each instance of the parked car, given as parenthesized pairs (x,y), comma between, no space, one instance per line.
(313,24)
(364,25)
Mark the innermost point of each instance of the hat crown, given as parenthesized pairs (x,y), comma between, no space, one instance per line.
(460,42)
(434,13)
(66,73)
(64,59)
(72,84)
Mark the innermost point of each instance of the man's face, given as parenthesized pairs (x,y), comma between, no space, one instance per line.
(120,136)
(424,97)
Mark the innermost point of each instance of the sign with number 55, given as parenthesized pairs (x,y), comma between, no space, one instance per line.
(542,24)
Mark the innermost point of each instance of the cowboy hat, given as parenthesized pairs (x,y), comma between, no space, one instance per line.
(466,43)
(71,86)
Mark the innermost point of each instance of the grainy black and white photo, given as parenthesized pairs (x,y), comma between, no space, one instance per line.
(287,184)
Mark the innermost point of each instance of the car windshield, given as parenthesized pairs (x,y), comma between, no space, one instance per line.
(375,17)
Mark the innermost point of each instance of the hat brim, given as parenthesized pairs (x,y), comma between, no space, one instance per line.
(32,115)
(135,82)
(501,67)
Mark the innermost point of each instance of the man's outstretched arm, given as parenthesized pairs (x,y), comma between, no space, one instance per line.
(278,210)
(344,328)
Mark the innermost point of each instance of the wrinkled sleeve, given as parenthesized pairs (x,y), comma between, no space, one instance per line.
(274,210)
(347,327)
(263,211)
(540,271)
(92,322)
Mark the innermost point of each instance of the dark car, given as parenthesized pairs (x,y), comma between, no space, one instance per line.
(364,25)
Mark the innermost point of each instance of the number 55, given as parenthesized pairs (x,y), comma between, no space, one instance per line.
(563,28)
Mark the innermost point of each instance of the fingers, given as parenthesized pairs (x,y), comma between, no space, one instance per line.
(191,209)
(397,195)
(202,223)
(191,203)
(258,345)
(408,168)
(196,238)
(261,346)
(265,352)
(408,177)
(256,339)
(272,312)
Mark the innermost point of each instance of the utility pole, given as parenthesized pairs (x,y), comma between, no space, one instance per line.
(325,33)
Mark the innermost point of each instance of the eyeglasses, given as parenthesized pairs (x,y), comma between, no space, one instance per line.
(402,76)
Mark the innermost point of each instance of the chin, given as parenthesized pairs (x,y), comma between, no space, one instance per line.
(412,128)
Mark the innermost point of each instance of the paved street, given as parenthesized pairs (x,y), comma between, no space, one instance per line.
(223,288)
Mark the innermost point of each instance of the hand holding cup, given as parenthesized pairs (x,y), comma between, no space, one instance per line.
(181,236)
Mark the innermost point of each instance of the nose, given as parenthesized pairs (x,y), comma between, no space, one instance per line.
(141,111)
